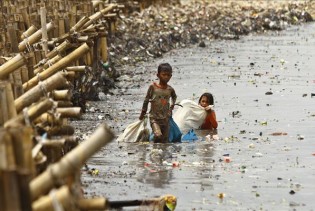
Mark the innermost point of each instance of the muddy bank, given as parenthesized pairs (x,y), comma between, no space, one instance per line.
(263,88)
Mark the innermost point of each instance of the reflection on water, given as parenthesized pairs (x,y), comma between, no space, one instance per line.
(156,163)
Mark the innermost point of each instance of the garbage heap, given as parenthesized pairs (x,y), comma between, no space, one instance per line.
(48,51)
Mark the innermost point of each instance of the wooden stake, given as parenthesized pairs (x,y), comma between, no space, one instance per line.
(71,161)
(4,114)
(6,101)
(9,174)
(104,49)
(44,28)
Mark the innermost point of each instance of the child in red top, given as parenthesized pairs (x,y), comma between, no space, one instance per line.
(159,95)
(206,101)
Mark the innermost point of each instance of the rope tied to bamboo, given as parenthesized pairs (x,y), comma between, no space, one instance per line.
(27,44)
(55,114)
(26,116)
(43,88)
(49,63)
(56,204)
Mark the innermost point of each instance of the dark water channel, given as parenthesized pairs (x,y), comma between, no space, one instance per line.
(263,88)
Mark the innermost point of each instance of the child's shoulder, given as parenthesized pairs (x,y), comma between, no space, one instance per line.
(170,87)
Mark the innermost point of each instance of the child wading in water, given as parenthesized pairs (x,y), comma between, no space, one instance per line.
(206,101)
(159,95)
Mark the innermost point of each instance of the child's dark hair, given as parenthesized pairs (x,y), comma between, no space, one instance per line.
(165,67)
(209,97)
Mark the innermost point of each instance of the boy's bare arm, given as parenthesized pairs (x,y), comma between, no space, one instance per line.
(174,97)
(146,103)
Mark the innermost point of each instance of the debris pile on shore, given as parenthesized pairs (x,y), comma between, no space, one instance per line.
(157,30)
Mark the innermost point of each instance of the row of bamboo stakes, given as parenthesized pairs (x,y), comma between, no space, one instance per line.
(40,157)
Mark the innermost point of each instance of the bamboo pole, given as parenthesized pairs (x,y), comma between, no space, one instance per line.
(2,200)
(24,74)
(93,204)
(61,94)
(71,161)
(47,64)
(4,114)
(64,62)
(104,49)
(93,18)
(44,28)
(10,100)
(61,198)
(74,112)
(63,130)
(22,143)
(30,114)
(9,174)
(62,104)
(60,48)
(73,140)
(11,65)
(78,68)
(79,24)
(34,37)
(50,119)
(28,32)
(6,101)
(102,203)
(42,89)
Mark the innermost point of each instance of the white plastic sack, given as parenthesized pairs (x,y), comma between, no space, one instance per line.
(135,132)
(190,116)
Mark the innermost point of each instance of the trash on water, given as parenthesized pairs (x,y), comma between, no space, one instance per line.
(227,159)
(94,172)
(221,195)
(215,137)
(264,123)
(252,146)
(279,134)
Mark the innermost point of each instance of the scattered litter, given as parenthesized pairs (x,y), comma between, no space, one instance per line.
(279,134)
(252,146)
(221,195)
(292,192)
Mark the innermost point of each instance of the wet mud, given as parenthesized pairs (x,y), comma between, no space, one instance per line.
(264,90)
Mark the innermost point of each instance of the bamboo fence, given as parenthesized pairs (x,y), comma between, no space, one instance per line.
(44,46)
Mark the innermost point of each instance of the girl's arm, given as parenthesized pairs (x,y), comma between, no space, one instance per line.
(213,119)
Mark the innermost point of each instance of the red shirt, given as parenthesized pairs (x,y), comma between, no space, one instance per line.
(210,121)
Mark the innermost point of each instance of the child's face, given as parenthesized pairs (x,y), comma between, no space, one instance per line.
(164,76)
(204,101)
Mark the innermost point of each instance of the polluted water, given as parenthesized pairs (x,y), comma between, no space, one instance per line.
(262,156)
